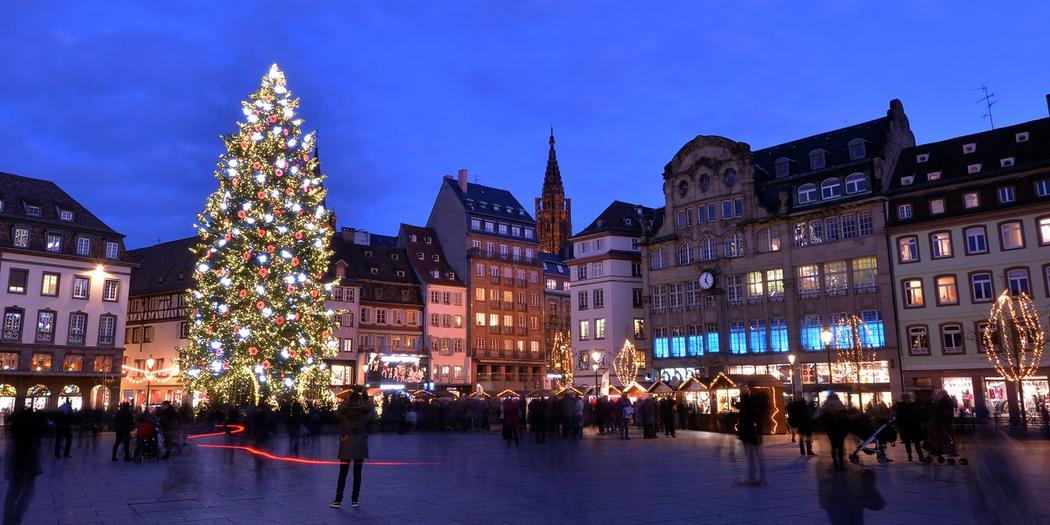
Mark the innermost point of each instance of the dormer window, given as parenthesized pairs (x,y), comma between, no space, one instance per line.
(1021,137)
(400,273)
(450,275)
(781,167)
(32,211)
(437,258)
(420,256)
(495,207)
(973,168)
(368,253)
(627,221)
(394,256)
(856,149)
(427,239)
(907,181)
(412,237)
(933,176)
(374,270)
(65,215)
(922,157)
(969,148)
(435,274)
(1006,163)
(816,159)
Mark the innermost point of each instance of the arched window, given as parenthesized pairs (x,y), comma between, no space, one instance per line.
(816,159)
(830,189)
(856,183)
(37,397)
(734,245)
(807,193)
(685,254)
(657,261)
(781,167)
(707,249)
(856,149)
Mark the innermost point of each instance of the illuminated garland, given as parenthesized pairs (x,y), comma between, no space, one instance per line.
(258,324)
(1014,339)
(625,365)
(561,360)
(851,348)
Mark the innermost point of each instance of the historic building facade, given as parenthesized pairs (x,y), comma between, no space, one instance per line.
(553,210)
(157,323)
(386,309)
(445,312)
(968,218)
(557,312)
(760,252)
(490,242)
(63,298)
(607,289)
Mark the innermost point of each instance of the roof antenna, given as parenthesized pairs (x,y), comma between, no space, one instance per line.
(989,101)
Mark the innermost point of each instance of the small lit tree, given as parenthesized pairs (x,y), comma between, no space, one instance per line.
(853,340)
(561,359)
(625,365)
(1014,340)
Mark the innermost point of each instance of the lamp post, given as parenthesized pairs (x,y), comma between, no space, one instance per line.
(149,380)
(595,356)
(825,337)
(791,373)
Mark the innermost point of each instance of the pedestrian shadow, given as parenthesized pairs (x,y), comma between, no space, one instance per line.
(845,494)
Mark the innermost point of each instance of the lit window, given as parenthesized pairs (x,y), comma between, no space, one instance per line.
(1011,235)
(942,244)
(908,249)
(21,237)
(947,292)
(110,290)
(65,215)
(918,340)
(49,284)
(1044,230)
(1017,281)
(936,206)
(973,168)
(83,246)
(32,211)
(54,242)
(971,200)
(585,329)
(81,287)
(112,250)
(913,296)
(933,176)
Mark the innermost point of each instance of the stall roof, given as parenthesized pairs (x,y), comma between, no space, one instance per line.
(660,387)
(736,381)
(569,390)
(538,393)
(634,388)
(507,392)
(692,385)
(613,390)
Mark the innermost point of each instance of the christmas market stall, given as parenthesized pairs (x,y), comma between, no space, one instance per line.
(634,391)
(696,398)
(725,392)
(660,390)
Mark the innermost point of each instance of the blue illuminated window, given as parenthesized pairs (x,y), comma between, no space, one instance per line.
(875,335)
(758,337)
(660,348)
(712,342)
(695,347)
(778,335)
(809,334)
(737,338)
(678,346)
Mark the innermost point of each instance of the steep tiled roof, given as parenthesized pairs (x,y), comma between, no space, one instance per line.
(491,202)
(948,163)
(835,145)
(433,267)
(389,262)
(552,264)
(164,267)
(619,217)
(18,192)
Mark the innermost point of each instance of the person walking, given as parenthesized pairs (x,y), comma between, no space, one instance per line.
(800,417)
(64,429)
(22,462)
(752,409)
(169,426)
(836,423)
(510,410)
(538,419)
(626,416)
(123,422)
(667,413)
(354,413)
(909,424)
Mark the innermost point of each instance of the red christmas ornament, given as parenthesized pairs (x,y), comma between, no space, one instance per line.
(244,144)
(256,165)
(246,255)
(291,288)
(258,127)
(278,213)
(285,133)
(253,351)
(305,156)
(260,305)
(278,320)
(241,214)
(279,172)
(243,293)
(229,237)
(225,365)
(295,261)
(298,236)
(261,195)
(293,353)
(271,248)
(309,352)
(313,293)
(266,364)
(273,119)
(289,192)
(263,272)
(262,232)
(235,181)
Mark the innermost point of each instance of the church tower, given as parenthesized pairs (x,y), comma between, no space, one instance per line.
(553,210)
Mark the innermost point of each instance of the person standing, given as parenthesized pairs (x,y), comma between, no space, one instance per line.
(354,413)
(22,462)
(510,421)
(909,424)
(538,419)
(626,416)
(667,413)
(64,429)
(836,424)
(123,422)
(752,409)
(169,426)
(800,418)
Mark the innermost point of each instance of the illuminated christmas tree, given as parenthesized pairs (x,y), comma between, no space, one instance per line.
(258,325)
(561,364)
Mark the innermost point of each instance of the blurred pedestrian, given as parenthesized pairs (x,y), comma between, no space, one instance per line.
(909,424)
(169,426)
(22,462)
(752,408)
(800,418)
(123,422)
(63,429)
(354,413)
(511,414)
(836,423)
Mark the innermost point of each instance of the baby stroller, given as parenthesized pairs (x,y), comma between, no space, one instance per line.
(873,439)
(940,443)
(147,444)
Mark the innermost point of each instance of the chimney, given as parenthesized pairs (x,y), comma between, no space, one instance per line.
(463,180)
(348,234)
(1048,103)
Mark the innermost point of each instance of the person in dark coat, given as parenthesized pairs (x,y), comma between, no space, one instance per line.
(22,461)
(511,418)
(169,426)
(538,419)
(909,424)
(800,417)
(354,413)
(752,409)
(63,429)
(836,423)
(667,409)
(123,422)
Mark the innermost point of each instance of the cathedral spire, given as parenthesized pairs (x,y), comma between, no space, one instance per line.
(552,179)
(553,210)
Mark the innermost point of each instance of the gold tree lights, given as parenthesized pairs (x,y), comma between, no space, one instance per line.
(561,364)
(625,365)
(1014,340)
(257,314)
(854,346)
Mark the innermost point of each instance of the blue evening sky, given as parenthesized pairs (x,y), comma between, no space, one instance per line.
(123,103)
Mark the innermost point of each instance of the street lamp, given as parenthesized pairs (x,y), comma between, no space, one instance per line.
(791,372)
(595,356)
(825,337)
(149,379)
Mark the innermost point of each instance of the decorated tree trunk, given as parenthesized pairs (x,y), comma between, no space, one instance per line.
(257,315)
(1014,340)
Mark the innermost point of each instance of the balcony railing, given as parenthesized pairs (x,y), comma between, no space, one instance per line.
(485,254)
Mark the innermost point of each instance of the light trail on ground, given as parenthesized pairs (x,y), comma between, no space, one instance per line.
(237,429)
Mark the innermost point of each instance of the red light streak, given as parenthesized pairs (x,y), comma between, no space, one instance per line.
(305,461)
(237,429)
